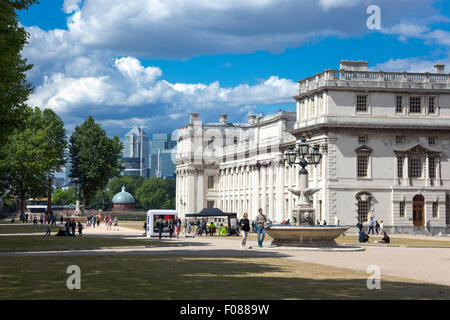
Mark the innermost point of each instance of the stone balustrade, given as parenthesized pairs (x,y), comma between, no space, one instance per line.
(371,79)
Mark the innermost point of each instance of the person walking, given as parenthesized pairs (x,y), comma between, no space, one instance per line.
(377,226)
(80,229)
(178,227)
(160,226)
(260,227)
(116,224)
(74,225)
(381,227)
(244,224)
(371,225)
(171,226)
(429,227)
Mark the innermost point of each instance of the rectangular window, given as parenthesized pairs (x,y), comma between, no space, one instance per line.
(363,211)
(400,167)
(401,208)
(435,209)
(362,139)
(414,105)
(361,103)
(363,162)
(398,104)
(210,204)
(399,139)
(432,167)
(210,182)
(431,140)
(415,166)
(431,104)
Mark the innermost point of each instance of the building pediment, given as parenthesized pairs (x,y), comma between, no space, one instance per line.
(417,148)
(363,149)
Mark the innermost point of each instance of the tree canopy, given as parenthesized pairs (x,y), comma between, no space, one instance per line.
(95,159)
(14,87)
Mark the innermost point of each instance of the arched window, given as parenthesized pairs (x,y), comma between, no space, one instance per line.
(415,166)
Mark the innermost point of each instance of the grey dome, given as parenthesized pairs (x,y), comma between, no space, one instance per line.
(123,197)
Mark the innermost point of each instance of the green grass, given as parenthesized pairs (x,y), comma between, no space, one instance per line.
(193,277)
(395,241)
(27,228)
(36,243)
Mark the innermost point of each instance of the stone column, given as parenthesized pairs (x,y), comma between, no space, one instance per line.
(255,192)
(405,169)
(270,193)
(279,210)
(427,170)
(264,189)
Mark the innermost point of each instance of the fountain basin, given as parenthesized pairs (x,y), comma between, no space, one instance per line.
(305,236)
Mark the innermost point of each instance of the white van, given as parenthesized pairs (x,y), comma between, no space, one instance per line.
(152,218)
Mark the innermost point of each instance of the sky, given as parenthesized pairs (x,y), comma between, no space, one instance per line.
(150,63)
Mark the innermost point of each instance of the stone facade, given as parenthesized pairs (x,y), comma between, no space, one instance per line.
(385,140)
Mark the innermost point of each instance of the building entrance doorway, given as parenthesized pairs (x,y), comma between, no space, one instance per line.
(418,210)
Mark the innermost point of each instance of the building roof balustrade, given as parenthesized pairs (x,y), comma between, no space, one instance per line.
(371,79)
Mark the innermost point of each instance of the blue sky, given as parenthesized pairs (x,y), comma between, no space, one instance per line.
(151,62)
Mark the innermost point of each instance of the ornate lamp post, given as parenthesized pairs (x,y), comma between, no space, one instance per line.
(303,155)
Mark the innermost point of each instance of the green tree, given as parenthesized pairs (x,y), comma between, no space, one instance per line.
(65,197)
(95,159)
(102,200)
(25,162)
(156,193)
(56,142)
(14,88)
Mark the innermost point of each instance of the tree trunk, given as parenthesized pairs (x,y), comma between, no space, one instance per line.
(49,197)
(22,199)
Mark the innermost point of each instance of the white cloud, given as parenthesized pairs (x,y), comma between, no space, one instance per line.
(131,91)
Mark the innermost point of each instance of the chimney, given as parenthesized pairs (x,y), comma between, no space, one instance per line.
(354,65)
(439,68)
(223,119)
(252,118)
(194,117)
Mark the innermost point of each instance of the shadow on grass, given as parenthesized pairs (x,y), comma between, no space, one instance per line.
(263,276)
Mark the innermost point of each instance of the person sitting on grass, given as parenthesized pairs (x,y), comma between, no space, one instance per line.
(385,238)
(363,237)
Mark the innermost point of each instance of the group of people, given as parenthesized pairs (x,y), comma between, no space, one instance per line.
(259,226)
(44,218)
(374,226)
(200,227)
(173,226)
(71,225)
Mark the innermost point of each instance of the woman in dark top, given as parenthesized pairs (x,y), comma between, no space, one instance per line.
(244,223)
(171,227)
(385,238)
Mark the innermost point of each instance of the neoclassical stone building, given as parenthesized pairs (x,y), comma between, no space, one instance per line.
(385,139)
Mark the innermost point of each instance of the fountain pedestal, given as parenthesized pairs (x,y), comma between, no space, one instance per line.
(305,236)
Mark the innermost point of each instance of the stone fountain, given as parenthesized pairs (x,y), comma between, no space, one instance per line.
(304,232)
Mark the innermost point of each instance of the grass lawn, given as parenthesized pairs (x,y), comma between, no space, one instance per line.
(36,243)
(395,241)
(27,228)
(193,277)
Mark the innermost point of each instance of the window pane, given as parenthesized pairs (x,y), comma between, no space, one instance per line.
(415,167)
(363,161)
(363,210)
(414,105)
(398,104)
(361,103)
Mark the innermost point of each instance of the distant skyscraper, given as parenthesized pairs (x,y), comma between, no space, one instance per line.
(162,164)
(136,153)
